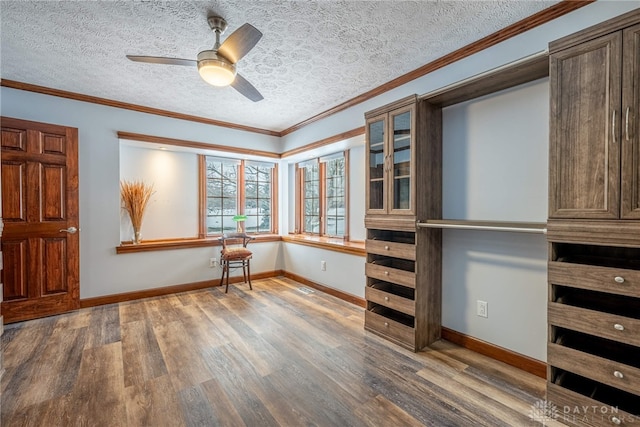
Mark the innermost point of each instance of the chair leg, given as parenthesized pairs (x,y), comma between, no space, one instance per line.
(249,273)
(244,271)
(223,270)
(227,268)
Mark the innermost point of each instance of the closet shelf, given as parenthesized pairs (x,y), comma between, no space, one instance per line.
(517,227)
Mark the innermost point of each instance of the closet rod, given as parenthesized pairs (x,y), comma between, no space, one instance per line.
(532,228)
(484,74)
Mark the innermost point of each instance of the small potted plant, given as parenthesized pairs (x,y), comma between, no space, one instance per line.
(135,197)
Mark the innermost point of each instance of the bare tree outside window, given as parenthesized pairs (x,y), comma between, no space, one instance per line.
(257,207)
(323,193)
(312,199)
(335,197)
(225,198)
(222,195)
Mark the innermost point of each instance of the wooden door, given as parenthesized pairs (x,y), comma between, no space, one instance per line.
(584,157)
(40,243)
(630,116)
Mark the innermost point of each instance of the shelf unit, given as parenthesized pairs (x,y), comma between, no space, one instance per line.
(404,246)
(594,225)
(403,283)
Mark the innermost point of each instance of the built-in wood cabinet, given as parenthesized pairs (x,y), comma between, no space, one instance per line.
(390,142)
(594,333)
(595,93)
(593,352)
(403,265)
(630,126)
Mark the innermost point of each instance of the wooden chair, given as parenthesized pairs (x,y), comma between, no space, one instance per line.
(234,254)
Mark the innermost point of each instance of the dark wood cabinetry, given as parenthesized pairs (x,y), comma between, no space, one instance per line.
(403,265)
(630,126)
(594,333)
(594,207)
(594,167)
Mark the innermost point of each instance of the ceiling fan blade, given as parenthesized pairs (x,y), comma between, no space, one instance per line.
(240,43)
(162,60)
(245,88)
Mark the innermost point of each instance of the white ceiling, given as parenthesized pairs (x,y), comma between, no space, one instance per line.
(314,55)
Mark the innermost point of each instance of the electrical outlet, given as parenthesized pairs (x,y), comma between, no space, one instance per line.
(323,265)
(483,309)
(213,262)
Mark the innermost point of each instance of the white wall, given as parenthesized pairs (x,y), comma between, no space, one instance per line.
(507,270)
(172,211)
(495,167)
(344,272)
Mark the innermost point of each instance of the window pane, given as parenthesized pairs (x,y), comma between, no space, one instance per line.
(221,195)
(257,205)
(335,211)
(311,203)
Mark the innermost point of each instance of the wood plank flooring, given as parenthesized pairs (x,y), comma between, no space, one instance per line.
(273,356)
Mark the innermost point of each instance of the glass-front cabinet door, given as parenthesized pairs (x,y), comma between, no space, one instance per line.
(376,131)
(401,161)
(390,168)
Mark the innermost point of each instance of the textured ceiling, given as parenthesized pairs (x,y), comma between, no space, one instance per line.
(313,56)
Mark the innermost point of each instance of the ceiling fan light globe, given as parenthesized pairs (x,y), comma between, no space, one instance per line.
(216,73)
(214,70)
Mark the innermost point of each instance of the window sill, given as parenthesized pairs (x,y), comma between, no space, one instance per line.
(169,244)
(332,244)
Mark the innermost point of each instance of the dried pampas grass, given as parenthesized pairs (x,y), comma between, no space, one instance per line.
(135,197)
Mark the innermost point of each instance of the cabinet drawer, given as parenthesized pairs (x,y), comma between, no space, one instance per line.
(389,328)
(394,249)
(390,300)
(579,410)
(605,279)
(605,325)
(390,274)
(606,371)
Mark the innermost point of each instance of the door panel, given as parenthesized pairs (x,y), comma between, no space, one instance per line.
(52,189)
(53,144)
(40,194)
(14,269)
(585,130)
(14,198)
(14,139)
(630,116)
(54,277)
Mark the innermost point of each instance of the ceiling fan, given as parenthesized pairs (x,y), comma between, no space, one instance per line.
(218,65)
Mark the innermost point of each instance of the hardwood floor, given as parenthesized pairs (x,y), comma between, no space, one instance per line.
(274,356)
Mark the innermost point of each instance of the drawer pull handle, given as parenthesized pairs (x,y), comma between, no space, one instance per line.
(618,374)
(386,298)
(618,327)
(386,324)
(619,279)
(386,248)
(616,421)
(386,273)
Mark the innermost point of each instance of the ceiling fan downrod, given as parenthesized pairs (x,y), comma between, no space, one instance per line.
(218,25)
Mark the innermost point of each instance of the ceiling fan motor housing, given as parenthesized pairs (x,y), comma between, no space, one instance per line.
(214,69)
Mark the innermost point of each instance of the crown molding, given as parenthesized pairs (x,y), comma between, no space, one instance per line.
(133,107)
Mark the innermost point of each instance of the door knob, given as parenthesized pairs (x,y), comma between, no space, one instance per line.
(70,230)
